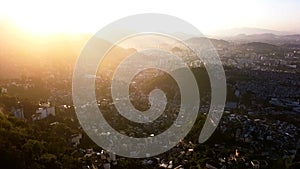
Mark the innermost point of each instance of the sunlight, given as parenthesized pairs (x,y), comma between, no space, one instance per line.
(40,17)
(48,17)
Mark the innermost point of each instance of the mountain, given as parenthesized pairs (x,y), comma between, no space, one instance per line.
(291,46)
(215,42)
(22,53)
(259,47)
(247,31)
(266,38)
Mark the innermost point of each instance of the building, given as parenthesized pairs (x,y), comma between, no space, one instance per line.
(75,139)
(44,110)
(255,164)
(214,165)
(18,111)
(231,105)
(3,90)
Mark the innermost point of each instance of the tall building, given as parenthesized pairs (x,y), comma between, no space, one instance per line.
(17,111)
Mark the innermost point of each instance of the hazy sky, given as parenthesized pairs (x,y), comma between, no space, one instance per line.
(43,17)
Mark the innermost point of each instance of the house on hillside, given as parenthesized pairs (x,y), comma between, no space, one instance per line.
(44,110)
(3,90)
(17,111)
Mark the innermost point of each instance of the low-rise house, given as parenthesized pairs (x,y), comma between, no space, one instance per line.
(75,139)
(3,90)
(214,165)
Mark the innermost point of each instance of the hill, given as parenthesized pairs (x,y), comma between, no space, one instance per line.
(260,47)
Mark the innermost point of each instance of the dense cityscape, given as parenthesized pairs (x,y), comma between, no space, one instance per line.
(259,128)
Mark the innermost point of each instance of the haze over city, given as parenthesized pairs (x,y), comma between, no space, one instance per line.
(231,97)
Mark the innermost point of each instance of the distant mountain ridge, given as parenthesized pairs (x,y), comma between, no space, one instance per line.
(248,31)
(247,35)
(266,38)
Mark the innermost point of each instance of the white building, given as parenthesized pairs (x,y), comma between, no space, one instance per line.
(75,139)
(3,90)
(45,110)
(18,112)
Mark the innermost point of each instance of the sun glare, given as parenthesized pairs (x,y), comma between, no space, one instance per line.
(65,16)
(40,17)
(46,17)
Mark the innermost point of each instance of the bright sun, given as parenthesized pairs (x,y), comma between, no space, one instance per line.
(66,16)
(46,17)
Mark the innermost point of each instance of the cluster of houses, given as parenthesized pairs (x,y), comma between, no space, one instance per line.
(286,103)
(288,62)
(103,159)
(260,134)
(44,110)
